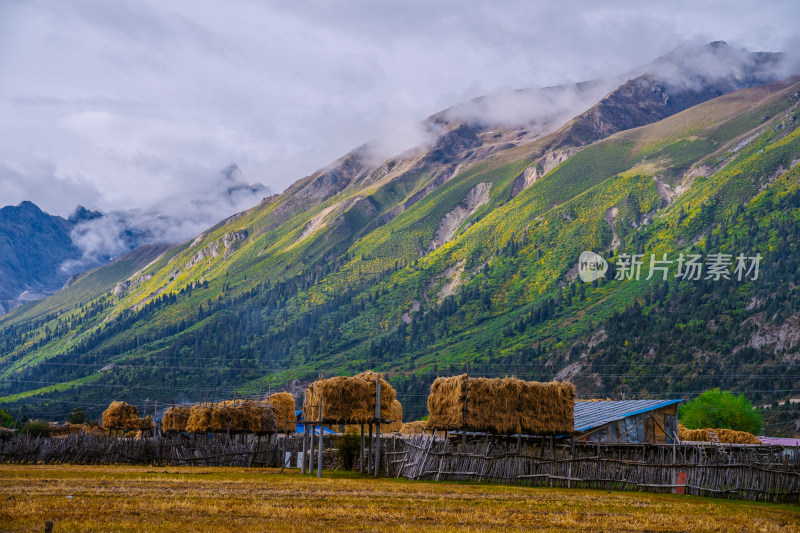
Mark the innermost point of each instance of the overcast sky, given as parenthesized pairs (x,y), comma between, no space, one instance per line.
(140,104)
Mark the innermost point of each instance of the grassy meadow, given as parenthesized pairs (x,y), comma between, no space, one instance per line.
(141,499)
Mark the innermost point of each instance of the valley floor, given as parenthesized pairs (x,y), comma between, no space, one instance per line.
(125,498)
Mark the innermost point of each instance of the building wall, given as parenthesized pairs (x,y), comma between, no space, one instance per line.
(657,426)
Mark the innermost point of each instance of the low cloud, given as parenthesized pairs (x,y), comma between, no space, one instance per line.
(172,220)
(541,109)
(132,108)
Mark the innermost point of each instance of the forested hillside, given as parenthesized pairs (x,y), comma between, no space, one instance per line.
(464,257)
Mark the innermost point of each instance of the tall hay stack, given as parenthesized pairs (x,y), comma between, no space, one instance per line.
(395,415)
(121,415)
(504,406)
(348,399)
(244,416)
(176,418)
(728,436)
(199,419)
(238,416)
(284,408)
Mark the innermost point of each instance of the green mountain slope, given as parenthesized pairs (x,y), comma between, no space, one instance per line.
(460,256)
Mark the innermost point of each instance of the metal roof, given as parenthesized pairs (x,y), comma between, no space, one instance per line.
(590,415)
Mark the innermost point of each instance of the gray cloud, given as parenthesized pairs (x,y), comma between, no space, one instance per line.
(133,107)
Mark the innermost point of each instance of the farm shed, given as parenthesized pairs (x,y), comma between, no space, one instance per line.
(633,421)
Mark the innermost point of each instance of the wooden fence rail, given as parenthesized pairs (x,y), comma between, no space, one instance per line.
(761,473)
(756,473)
(93,449)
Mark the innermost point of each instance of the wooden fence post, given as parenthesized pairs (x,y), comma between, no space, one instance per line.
(361,465)
(321,439)
(378,425)
(303,466)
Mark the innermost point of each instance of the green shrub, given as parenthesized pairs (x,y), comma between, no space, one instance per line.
(35,428)
(349,446)
(720,409)
(6,420)
(77,416)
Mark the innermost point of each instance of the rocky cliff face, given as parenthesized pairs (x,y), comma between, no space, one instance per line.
(33,245)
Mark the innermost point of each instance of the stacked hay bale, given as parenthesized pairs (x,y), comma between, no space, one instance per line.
(413,428)
(237,416)
(282,404)
(199,419)
(146,423)
(245,416)
(728,436)
(348,399)
(395,415)
(176,418)
(121,415)
(504,406)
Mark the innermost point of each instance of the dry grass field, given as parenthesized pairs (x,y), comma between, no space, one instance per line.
(122,498)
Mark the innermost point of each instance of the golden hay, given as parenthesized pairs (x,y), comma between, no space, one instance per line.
(121,415)
(503,406)
(146,423)
(395,414)
(176,418)
(199,419)
(231,415)
(284,407)
(414,428)
(348,399)
(242,417)
(728,436)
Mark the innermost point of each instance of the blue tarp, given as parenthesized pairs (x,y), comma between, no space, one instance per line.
(301,428)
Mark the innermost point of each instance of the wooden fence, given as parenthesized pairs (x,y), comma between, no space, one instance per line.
(760,473)
(166,451)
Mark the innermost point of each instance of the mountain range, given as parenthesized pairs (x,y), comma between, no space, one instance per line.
(464,255)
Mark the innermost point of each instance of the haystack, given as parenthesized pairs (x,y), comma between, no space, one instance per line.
(244,416)
(504,406)
(230,416)
(283,406)
(121,415)
(348,399)
(395,414)
(199,419)
(146,423)
(268,423)
(176,418)
(728,436)
(413,428)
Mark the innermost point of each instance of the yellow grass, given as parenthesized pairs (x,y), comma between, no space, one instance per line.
(142,499)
